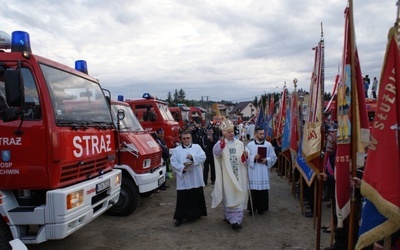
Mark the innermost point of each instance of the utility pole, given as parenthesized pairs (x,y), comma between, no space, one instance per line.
(203,97)
(207,107)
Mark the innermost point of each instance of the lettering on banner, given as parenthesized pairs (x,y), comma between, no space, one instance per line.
(91,145)
(312,135)
(388,99)
(343,158)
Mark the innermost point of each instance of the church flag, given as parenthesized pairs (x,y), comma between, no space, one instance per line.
(287,129)
(305,170)
(312,128)
(295,127)
(270,120)
(331,106)
(261,118)
(381,178)
(281,119)
(351,81)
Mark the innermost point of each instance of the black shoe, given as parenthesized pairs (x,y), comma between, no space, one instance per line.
(324,227)
(178,223)
(326,231)
(330,248)
(236,226)
(260,212)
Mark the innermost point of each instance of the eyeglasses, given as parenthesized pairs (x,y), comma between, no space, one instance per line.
(186,138)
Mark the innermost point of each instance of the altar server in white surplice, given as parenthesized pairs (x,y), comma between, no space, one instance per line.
(261,159)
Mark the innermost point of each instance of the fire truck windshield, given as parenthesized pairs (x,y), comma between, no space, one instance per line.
(76,99)
(166,114)
(130,122)
(185,115)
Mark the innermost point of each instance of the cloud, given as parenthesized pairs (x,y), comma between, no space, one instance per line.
(230,50)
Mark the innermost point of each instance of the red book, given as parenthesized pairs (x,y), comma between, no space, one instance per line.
(262,151)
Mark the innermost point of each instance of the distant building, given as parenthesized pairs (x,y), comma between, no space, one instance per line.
(244,109)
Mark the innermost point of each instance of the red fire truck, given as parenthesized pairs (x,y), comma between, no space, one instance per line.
(154,114)
(139,158)
(57,147)
(180,114)
(371,109)
(198,115)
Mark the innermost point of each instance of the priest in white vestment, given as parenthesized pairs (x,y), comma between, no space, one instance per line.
(231,186)
(187,160)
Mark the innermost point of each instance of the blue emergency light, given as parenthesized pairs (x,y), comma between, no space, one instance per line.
(120,98)
(20,42)
(81,66)
(148,96)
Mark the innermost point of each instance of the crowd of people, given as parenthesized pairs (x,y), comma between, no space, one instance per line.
(374,87)
(238,167)
(239,173)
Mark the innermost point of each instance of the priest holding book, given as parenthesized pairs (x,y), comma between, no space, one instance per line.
(261,159)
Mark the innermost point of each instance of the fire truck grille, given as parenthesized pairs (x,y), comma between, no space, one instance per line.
(83,170)
(155,160)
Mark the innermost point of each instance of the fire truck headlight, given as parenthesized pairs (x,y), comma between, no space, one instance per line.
(118,179)
(146,163)
(75,199)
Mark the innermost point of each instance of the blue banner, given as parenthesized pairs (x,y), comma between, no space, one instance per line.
(307,172)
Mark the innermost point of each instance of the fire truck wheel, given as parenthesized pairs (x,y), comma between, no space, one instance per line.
(129,199)
(5,235)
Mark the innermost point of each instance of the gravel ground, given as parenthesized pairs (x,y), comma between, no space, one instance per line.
(151,226)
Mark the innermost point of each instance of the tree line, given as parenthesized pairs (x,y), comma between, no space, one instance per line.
(179,97)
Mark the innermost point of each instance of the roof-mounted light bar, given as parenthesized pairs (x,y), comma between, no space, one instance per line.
(148,96)
(5,40)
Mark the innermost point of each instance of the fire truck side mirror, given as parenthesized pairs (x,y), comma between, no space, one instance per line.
(12,88)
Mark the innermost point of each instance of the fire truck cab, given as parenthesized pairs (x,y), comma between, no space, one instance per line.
(154,114)
(138,157)
(180,114)
(198,115)
(57,147)
(371,110)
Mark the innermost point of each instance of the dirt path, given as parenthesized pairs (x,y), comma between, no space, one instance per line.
(151,227)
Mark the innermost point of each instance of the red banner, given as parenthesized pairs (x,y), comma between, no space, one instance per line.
(381,179)
(345,103)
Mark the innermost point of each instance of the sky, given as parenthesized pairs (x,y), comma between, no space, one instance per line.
(232,50)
